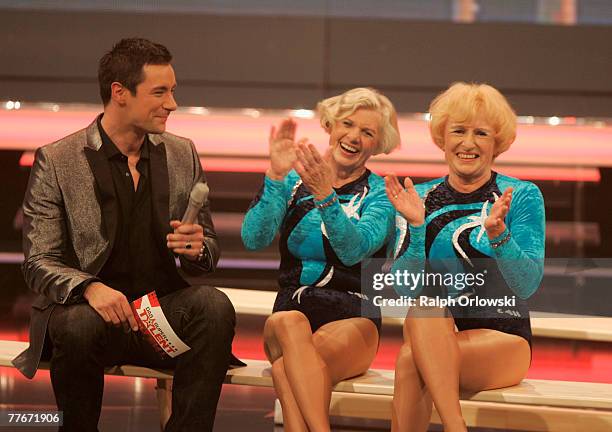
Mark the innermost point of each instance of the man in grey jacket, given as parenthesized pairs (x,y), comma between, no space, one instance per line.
(102,228)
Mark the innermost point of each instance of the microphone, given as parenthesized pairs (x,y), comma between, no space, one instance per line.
(197,198)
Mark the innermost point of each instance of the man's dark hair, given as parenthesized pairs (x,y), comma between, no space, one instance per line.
(124,63)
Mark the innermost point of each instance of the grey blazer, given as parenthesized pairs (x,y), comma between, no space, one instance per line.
(71,214)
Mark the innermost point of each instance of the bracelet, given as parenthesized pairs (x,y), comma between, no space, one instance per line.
(328,203)
(201,253)
(497,244)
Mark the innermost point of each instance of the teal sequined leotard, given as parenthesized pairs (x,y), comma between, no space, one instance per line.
(454,229)
(321,248)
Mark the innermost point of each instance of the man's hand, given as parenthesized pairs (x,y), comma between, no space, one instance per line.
(187,239)
(111,304)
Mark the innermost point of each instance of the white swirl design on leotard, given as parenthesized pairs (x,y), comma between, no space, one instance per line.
(298,292)
(402,226)
(475,221)
(351,209)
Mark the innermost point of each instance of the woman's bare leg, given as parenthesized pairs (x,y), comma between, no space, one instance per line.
(292,416)
(345,348)
(412,403)
(288,335)
(491,359)
(473,359)
(437,357)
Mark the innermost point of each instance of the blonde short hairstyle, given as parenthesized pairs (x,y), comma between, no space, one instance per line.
(339,107)
(461,102)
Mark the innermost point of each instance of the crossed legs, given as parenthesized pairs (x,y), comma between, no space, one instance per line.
(435,362)
(83,345)
(306,366)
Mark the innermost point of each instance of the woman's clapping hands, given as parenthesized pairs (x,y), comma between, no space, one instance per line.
(405,199)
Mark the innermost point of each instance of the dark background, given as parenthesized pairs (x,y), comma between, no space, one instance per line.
(263,61)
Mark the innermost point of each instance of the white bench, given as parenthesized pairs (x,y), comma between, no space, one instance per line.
(534,405)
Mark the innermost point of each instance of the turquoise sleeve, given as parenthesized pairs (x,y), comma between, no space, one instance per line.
(520,258)
(353,242)
(266,213)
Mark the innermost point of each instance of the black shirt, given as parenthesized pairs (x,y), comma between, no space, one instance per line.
(137,265)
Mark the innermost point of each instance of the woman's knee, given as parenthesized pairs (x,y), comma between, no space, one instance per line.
(287,325)
(282,329)
(424,318)
(415,315)
(417,312)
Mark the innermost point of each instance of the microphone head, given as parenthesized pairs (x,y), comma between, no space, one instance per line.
(199,193)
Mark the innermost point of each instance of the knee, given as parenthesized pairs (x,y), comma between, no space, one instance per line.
(77,328)
(423,317)
(423,311)
(201,315)
(287,325)
(319,340)
(212,305)
(223,316)
(223,307)
(413,317)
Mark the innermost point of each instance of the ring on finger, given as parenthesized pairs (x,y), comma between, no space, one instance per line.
(188,245)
